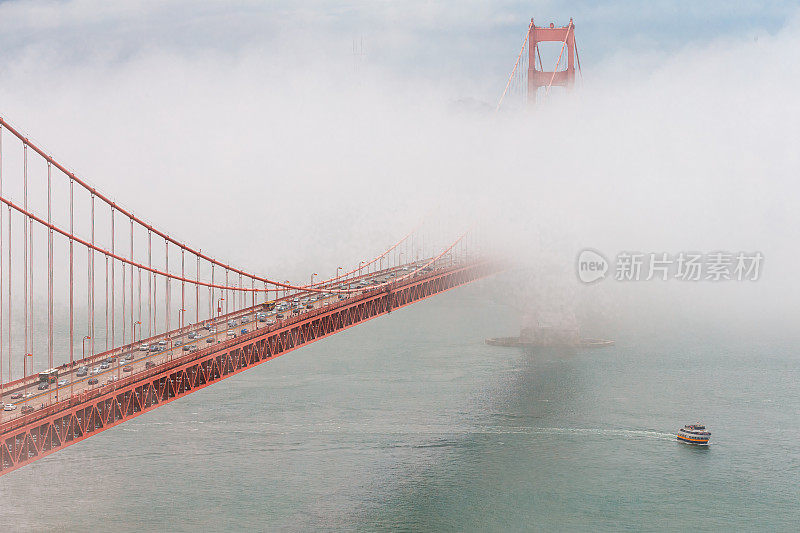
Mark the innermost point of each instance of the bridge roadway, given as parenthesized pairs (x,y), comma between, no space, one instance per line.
(24,394)
(94,408)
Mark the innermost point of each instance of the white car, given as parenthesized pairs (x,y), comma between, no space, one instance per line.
(162,343)
(62,382)
(144,347)
(95,370)
(9,407)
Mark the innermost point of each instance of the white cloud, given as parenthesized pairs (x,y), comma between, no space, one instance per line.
(246,131)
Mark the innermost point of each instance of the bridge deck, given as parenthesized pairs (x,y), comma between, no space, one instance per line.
(38,434)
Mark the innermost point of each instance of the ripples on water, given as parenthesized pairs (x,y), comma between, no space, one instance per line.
(411,422)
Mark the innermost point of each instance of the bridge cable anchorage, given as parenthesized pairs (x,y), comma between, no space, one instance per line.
(516,64)
(561,53)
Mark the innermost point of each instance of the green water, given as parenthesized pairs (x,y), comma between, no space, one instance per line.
(410,422)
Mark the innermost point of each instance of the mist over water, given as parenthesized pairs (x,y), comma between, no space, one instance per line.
(257,134)
(409,421)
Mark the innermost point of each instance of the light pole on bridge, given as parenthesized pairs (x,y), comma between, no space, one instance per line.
(83,350)
(133,328)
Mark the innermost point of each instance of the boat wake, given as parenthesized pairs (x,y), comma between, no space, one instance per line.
(617,433)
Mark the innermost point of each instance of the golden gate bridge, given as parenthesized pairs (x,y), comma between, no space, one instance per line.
(240,319)
(139,347)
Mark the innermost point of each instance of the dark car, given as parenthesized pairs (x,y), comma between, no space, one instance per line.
(93,381)
(44,385)
(82,371)
(127,369)
(27,409)
(149,364)
(309,306)
(209,340)
(186,348)
(279,315)
(16,396)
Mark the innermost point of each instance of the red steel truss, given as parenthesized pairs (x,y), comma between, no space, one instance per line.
(26,439)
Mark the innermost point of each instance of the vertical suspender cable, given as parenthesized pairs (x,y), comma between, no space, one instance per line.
(155,303)
(197,294)
(9,293)
(71,277)
(182,314)
(124,269)
(139,300)
(25,257)
(133,331)
(1,267)
(150,323)
(106,301)
(50,269)
(91,284)
(113,285)
(30,281)
(166,286)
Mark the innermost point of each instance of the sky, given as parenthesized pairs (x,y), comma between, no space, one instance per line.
(253,130)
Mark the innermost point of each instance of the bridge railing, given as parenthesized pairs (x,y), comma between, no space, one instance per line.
(52,404)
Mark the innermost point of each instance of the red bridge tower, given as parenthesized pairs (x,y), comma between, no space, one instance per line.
(540,78)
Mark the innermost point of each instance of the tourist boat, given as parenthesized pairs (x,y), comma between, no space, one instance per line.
(694,434)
